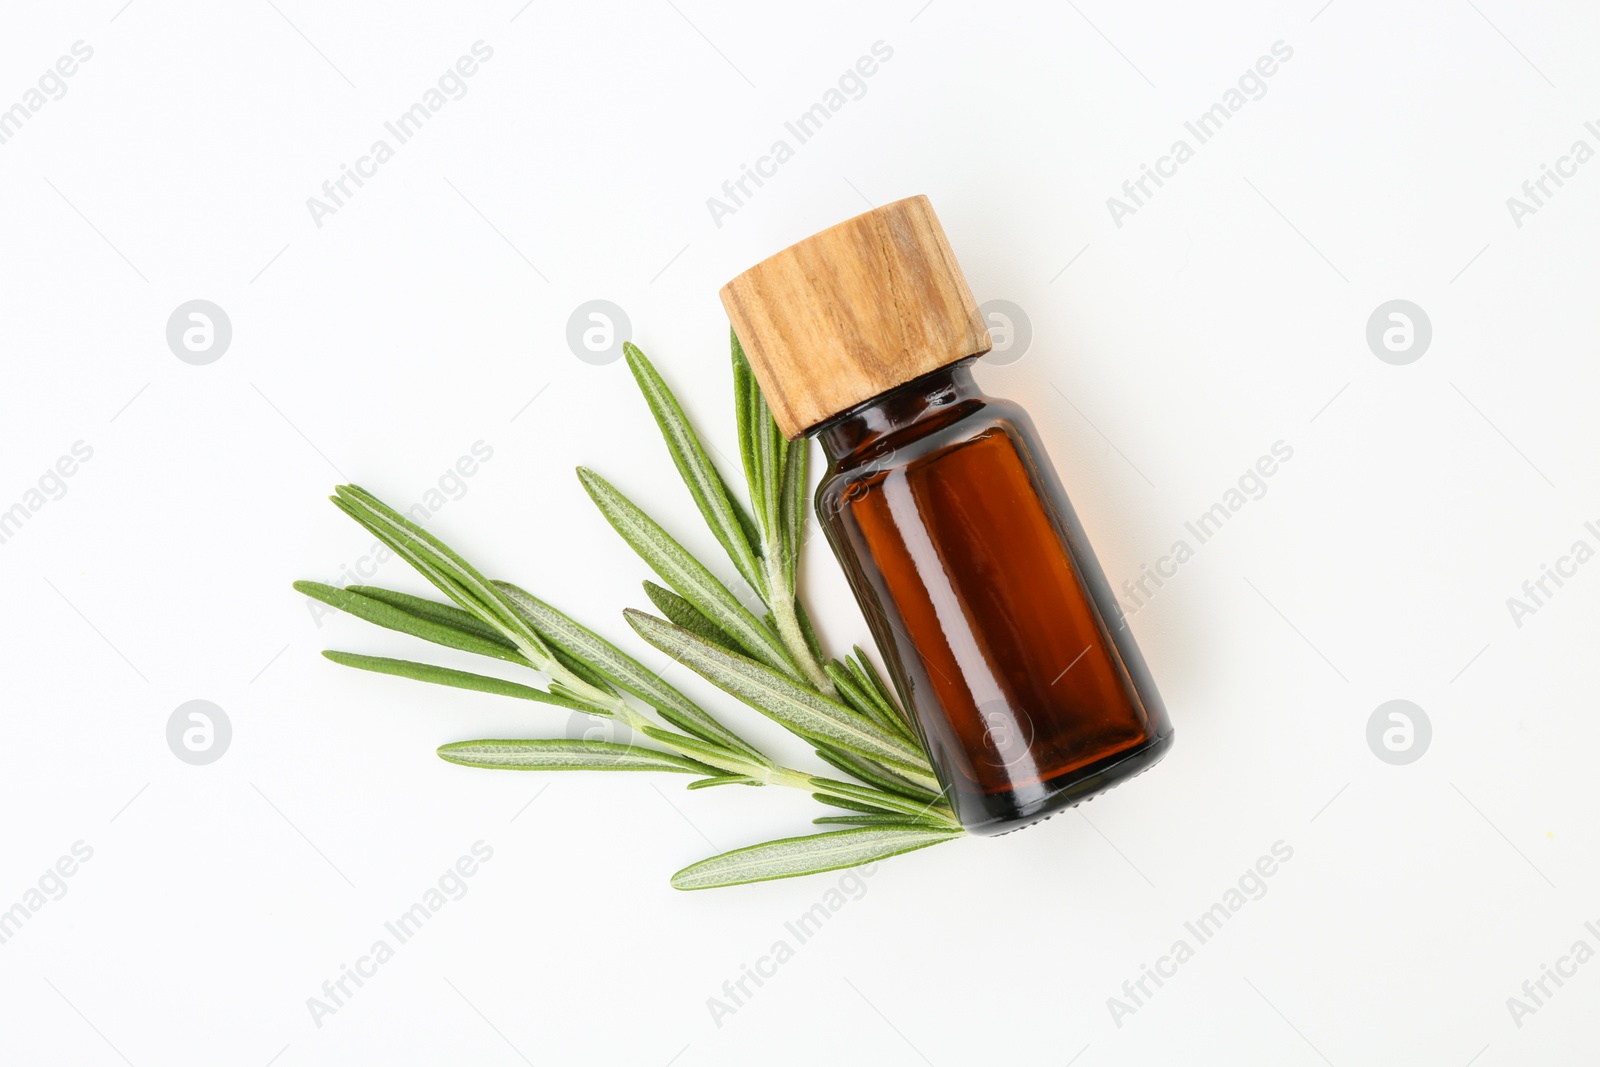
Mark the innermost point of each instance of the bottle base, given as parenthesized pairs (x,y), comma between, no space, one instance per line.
(991,816)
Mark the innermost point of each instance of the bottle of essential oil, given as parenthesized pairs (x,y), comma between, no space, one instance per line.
(998,626)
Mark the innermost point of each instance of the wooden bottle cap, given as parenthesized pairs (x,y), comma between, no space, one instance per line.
(852,312)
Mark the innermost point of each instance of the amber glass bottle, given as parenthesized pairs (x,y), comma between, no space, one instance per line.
(997,624)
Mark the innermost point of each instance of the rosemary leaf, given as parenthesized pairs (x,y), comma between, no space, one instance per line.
(433,610)
(870,772)
(792,510)
(862,667)
(564,755)
(452,615)
(859,663)
(866,818)
(426,672)
(868,798)
(746,401)
(435,561)
(809,631)
(682,613)
(855,805)
(771,450)
(725,779)
(694,466)
(793,856)
(685,574)
(863,683)
(387,615)
(709,753)
(798,708)
(621,669)
(857,698)
(752,535)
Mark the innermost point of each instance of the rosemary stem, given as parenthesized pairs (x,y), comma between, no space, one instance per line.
(781,601)
(773,774)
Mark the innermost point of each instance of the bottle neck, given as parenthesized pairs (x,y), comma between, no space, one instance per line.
(853,436)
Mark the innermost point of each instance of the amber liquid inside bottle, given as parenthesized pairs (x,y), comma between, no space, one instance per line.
(999,628)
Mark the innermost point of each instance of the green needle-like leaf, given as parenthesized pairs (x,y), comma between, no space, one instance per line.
(752,536)
(802,710)
(433,610)
(621,669)
(853,695)
(435,561)
(808,631)
(747,407)
(685,574)
(387,615)
(792,509)
(833,801)
(695,467)
(451,615)
(725,779)
(771,454)
(861,664)
(869,819)
(794,856)
(565,755)
(867,798)
(682,613)
(708,753)
(869,678)
(426,672)
(870,772)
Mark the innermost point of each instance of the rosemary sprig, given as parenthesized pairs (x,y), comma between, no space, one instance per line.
(772,664)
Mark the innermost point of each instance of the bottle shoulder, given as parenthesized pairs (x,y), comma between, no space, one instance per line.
(923,442)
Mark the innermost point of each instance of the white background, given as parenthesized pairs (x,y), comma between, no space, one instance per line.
(1225,315)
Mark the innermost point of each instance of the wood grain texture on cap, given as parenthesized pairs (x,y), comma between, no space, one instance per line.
(853,311)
